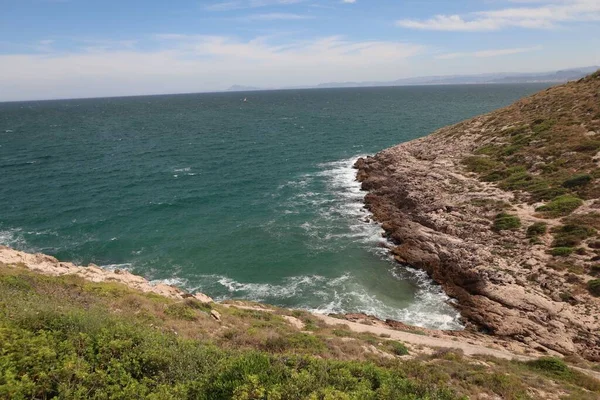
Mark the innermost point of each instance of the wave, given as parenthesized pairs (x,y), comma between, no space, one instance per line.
(340,222)
(12,238)
(327,295)
(114,267)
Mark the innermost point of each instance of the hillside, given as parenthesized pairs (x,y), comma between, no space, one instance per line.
(502,210)
(67,336)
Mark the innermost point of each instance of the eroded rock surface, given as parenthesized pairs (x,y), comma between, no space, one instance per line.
(49,265)
(430,209)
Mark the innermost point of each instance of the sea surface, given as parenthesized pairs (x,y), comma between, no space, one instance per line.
(253,200)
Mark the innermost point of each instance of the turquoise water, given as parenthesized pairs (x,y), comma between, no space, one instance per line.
(236,199)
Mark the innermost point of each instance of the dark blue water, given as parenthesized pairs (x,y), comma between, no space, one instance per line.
(251,199)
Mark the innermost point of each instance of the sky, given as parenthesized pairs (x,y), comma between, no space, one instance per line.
(86,48)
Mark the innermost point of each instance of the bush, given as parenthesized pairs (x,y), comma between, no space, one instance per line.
(594,287)
(562,251)
(577,180)
(571,235)
(504,221)
(398,348)
(479,164)
(536,229)
(181,311)
(552,365)
(595,270)
(541,125)
(560,206)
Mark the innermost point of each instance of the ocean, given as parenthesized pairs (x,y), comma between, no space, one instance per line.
(254,200)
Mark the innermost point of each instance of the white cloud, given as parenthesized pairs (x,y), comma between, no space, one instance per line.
(349,1)
(243,4)
(489,53)
(185,63)
(274,17)
(548,14)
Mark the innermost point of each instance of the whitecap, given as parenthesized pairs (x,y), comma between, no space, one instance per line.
(113,267)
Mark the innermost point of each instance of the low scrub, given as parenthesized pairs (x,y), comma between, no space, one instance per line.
(560,206)
(480,164)
(504,221)
(577,180)
(594,287)
(537,229)
(63,337)
(398,348)
(571,235)
(562,251)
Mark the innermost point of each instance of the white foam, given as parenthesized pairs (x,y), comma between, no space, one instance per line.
(343,221)
(113,267)
(175,281)
(12,238)
(320,294)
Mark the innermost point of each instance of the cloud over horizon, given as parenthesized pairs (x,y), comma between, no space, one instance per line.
(87,49)
(547,14)
(188,63)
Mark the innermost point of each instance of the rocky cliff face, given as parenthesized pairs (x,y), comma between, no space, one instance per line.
(445,216)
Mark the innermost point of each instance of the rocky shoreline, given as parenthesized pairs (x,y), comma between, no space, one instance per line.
(49,265)
(438,216)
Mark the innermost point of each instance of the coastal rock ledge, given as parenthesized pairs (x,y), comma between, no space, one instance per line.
(49,265)
(438,210)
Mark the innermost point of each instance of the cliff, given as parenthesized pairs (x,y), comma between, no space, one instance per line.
(502,211)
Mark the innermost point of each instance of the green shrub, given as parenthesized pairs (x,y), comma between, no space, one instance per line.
(536,229)
(594,287)
(562,251)
(571,235)
(504,221)
(398,348)
(560,206)
(479,164)
(547,193)
(181,311)
(557,369)
(496,176)
(595,270)
(540,125)
(552,365)
(577,180)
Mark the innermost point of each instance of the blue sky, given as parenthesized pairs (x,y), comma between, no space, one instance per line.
(86,48)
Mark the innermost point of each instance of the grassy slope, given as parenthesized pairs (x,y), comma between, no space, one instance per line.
(546,149)
(545,145)
(74,339)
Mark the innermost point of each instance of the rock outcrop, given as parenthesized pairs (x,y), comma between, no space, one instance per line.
(49,265)
(438,216)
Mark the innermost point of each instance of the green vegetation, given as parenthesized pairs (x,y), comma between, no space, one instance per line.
(571,235)
(480,164)
(537,229)
(557,369)
(398,348)
(562,251)
(560,206)
(543,150)
(504,221)
(594,287)
(64,337)
(577,180)
(595,270)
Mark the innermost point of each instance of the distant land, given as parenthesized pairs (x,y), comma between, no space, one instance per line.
(493,78)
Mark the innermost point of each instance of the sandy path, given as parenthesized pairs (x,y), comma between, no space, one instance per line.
(422,340)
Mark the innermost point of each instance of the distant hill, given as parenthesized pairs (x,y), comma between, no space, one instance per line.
(241,88)
(551,77)
(495,78)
